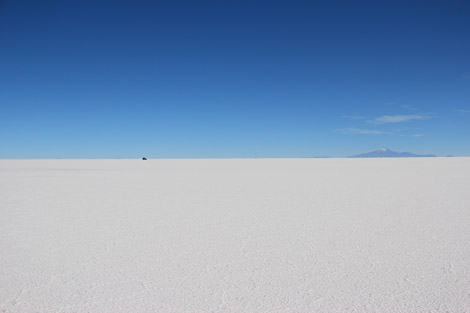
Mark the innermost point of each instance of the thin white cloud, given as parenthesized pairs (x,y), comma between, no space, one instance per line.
(463,111)
(355,117)
(358,131)
(408,107)
(416,135)
(397,118)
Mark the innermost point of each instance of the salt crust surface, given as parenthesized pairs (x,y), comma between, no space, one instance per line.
(235,235)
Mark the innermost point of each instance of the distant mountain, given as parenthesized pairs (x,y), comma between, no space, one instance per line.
(386,153)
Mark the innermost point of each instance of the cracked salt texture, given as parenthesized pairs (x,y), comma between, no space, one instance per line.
(247,235)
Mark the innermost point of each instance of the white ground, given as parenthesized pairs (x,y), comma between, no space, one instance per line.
(249,235)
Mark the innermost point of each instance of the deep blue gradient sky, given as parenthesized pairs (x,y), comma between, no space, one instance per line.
(196,79)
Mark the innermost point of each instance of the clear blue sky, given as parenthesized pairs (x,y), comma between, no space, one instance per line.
(195,79)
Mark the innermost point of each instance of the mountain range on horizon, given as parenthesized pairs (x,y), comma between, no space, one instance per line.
(387,153)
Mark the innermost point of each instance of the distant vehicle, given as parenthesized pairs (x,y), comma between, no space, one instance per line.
(145,159)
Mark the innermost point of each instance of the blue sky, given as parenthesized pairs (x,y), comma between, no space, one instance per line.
(211,79)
